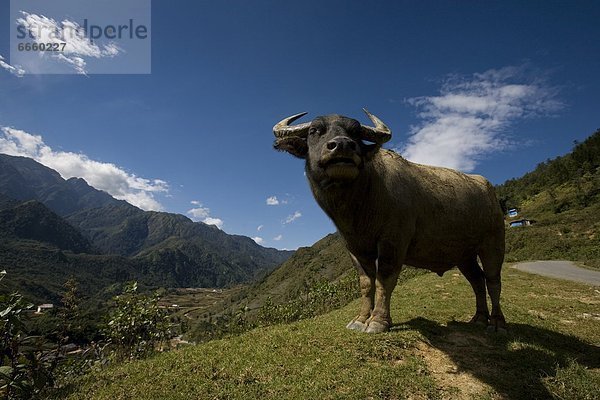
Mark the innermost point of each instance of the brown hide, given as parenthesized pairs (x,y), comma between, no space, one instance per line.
(439,216)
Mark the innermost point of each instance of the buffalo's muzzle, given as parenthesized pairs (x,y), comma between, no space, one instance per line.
(341,144)
(340,150)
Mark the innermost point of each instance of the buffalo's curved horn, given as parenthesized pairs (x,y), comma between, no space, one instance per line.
(283,128)
(378,134)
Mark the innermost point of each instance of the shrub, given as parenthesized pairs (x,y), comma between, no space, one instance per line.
(137,326)
(25,369)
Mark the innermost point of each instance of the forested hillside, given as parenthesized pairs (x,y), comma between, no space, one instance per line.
(570,181)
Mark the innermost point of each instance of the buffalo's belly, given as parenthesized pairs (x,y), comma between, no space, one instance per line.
(441,255)
(434,266)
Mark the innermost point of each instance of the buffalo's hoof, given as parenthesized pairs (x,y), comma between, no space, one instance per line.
(356,325)
(377,327)
(479,319)
(498,325)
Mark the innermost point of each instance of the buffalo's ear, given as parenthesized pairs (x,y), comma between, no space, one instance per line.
(296,146)
(370,150)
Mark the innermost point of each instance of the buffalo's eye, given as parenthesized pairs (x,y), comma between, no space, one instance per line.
(354,133)
(314,131)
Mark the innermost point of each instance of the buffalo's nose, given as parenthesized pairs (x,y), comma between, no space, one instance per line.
(341,144)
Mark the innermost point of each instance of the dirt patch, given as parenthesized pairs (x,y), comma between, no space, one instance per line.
(590,300)
(455,383)
(537,314)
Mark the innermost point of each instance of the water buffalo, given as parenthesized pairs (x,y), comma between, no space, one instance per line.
(392,212)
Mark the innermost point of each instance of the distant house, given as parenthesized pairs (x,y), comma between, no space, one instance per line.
(513,212)
(42,307)
(521,222)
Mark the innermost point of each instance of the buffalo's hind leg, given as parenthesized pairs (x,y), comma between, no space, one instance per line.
(476,278)
(492,257)
(366,273)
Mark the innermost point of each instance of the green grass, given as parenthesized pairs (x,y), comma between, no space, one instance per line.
(551,351)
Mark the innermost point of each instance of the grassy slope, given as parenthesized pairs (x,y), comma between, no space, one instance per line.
(430,353)
(326,259)
(571,235)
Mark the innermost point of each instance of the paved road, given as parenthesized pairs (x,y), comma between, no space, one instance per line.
(561,270)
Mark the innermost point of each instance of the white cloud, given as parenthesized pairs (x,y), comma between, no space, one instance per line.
(258,240)
(201,213)
(259,228)
(291,218)
(272,201)
(15,70)
(104,176)
(470,116)
(278,238)
(78,46)
(213,221)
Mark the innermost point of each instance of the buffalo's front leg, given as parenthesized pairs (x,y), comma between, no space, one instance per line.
(388,269)
(385,283)
(366,273)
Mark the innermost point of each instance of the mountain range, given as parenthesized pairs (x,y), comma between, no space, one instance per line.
(52,228)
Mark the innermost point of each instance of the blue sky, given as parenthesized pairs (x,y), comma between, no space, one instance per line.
(487,87)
